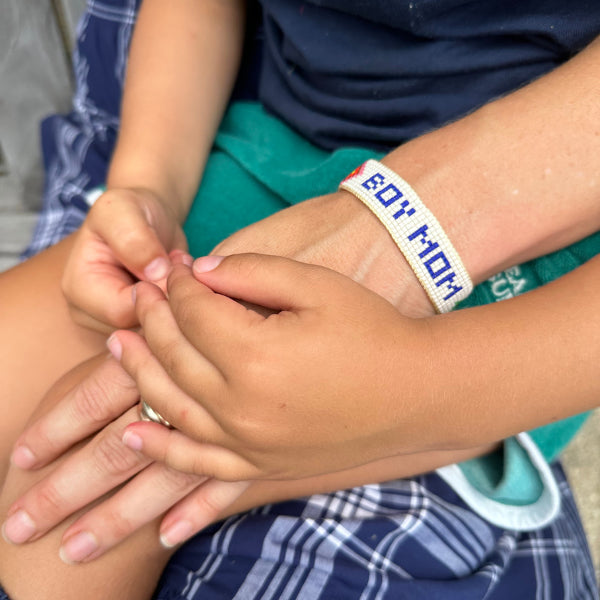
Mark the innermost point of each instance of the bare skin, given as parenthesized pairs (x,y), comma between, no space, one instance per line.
(51,343)
(55,344)
(48,343)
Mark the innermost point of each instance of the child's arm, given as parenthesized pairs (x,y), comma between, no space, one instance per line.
(336,380)
(183,62)
(338,377)
(102,467)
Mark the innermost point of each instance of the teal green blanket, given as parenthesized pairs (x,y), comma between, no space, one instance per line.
(259,166)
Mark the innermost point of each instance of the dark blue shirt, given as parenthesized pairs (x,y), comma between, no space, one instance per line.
(379,72)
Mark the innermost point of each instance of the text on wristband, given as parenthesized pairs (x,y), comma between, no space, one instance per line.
(437,265)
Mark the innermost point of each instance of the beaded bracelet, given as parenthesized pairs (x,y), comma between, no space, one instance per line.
(417,233)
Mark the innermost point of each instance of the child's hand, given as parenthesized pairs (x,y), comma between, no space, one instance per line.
(337,231)
(329,381)
(126,237)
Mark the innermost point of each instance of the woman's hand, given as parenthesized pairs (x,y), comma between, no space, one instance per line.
(281,396)
(75,442)
(339,232)
(126,237)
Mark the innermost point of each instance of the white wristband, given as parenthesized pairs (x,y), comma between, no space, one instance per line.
(415,230)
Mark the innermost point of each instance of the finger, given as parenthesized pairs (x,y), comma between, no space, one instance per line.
(95,469)
(86,320)
(160,391)
(185,365)
(132,237)
(216,326)
(96,283)
(178,451)
(271,281)
(147,496)
(93,403)
(198,509)
(221,328)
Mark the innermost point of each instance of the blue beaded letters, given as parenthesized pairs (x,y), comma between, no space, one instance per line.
(388,195)
(436,265)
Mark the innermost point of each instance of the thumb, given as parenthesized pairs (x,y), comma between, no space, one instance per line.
(273,282)
(121,221)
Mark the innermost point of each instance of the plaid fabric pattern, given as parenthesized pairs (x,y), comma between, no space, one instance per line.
(404,539)
(77,147)
(408,539)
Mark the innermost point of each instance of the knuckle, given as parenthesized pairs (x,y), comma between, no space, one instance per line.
(178,482)
(50,502)
(169,355)
(149,306)
(208,503)
(119,524)
(161,341)
(246,265)
(40,439)
(113,458)
(140,368)
(91,402)
(195,464)
(249,431)
(168,359)
(256,372)
(163,354)
(119,316)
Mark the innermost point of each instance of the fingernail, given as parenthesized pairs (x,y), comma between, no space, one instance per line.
(114,346)
(182,258)
(177,533)
(78,548)
(207,263)
(18,528)
(132,440)
(22,457)
(157,269)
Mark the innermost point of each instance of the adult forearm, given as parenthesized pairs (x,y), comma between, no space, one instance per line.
(517,178)
(181,70)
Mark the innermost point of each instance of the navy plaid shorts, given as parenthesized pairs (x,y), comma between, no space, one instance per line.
(413,538)
(404,540)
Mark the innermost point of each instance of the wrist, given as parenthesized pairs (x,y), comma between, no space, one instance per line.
(150,175)
(517,178)
(376,261)
(415,231)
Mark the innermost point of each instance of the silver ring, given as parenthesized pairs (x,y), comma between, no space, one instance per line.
(147,413)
